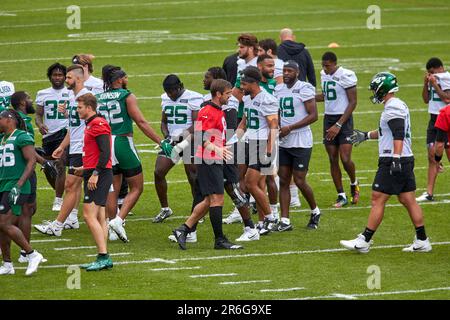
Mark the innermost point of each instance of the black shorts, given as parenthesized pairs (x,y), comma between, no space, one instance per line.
(296,158)
(343,136)
(432,132)
(74,160)
(127,173)
(4,202)
(33,184)
(104,183)
(403,182)
(50,143)
(255,155)
(209,180)
(230,173)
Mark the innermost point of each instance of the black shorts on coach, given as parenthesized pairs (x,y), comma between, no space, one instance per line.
(74,160)
(343,137)
(296,158)
(402,182)
(209,180)
(99,195)
(432,132)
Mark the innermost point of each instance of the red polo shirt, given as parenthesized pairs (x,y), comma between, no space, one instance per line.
(211,123)
(95,127)
(443,120)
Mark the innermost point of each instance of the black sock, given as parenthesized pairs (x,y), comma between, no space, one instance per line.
(30,252)
(22,253)
(340,190)
(215,215)
(420,233)
(186,228)
(368,233)
(194,228)
(249,223)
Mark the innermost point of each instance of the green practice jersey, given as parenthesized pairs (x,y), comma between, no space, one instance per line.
(112,105)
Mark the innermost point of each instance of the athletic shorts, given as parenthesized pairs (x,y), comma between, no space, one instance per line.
(405,181)
(432,132)
(50,143)
(296,158)
(125,159)
(230,173)
(33,184)
(255,155)
(74,160)
(209,180)
(5,206)
(99,195)
(343,137)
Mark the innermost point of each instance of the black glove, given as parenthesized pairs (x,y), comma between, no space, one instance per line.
(358,136)
(396,167)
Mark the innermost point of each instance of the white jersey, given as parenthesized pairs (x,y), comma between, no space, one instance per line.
(179,112)
(242,64)
(49,99)
(394,109)
(256,110)
(435,104)
(76,126)
(6,91)
(292,110)
(94,85)
(334,89)
(232,103)
(279,64)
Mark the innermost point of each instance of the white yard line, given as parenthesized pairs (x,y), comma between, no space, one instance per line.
(356,295)
(176,269)
(281,290)
(244,282)
(50,240)
(112,254)
(213,275)
(74,248)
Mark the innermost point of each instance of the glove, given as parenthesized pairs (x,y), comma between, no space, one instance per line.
(178,149)
(14,195)
(51,172)
(358,136)
(396,166)
(166,147)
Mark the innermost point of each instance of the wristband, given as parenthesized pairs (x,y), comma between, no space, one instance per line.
(368,135)
(95,172)
(337,124)
(437,158)
(397,156)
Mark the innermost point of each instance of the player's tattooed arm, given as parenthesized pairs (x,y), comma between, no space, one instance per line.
(311,109)
(40,120)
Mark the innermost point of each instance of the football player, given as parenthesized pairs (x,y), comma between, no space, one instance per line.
(297,111)
(395,174)
(93,84)
(339,94)
(436,93)
(180,107)
(269,47)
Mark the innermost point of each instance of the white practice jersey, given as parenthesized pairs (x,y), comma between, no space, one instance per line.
(435,104)
(292,110)
(394,109)
(6,91)
(241,64)
(49,99)
(232,103)
(256,110)
(279,64)
(94,85)
(179,112)
(333,88)
(76,125)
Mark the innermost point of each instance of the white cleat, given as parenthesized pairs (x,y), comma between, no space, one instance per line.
(419,246)
(191,237)
(112,235)
(425,197)
(34,260)
(7,268)
(359,244)
(71,224)
(249,235)
(57,203)
(118,228)
(233,217)
(23,258)
(49,228)
(295,202)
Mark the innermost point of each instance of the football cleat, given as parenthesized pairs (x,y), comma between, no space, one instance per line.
(49,228)
(313,221)
(340,202)
(23,258)
(267,226)
(233,217)
(34,259)
(162,215)
(281,227)
(419,246)
(191,237)
(249,235)
(118,228)
(223,243)
(355,193)
(358,244)
(425,197)
(180,235)
(71,224)
(112,234)
(103,263)
(7,268)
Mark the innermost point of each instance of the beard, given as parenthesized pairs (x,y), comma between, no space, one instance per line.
(30,109)
(267,75)
(71,86)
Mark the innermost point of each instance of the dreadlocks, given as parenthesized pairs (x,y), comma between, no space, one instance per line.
(20,124)
(110,74)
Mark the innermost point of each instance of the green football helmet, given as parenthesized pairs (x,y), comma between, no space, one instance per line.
(381,84)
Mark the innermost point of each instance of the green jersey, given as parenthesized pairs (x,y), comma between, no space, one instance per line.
(113,106)
(28,124)
(12,162)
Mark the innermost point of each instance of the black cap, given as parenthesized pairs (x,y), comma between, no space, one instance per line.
(291,64)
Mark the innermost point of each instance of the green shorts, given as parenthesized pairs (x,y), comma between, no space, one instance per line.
(125,159)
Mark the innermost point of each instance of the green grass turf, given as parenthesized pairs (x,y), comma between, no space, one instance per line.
(412,32)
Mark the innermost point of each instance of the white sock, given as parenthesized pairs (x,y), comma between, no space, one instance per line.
(315,211)
(355,183)
(274,209)
(8,264)
(343,195)
(270,217)
(73,214)
(286,220)
(58,199)
(165,208)
(59,224)
(260,223)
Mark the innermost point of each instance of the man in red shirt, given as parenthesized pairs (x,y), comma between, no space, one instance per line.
(209,138)
(442,126)
(98,176)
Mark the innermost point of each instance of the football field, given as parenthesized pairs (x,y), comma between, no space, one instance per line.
(150,39)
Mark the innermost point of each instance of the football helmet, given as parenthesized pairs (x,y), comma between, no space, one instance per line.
(381,84)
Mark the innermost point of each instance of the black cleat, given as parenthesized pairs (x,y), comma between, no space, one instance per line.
(180,234)
(223,243)
(313,221)
(281,227)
